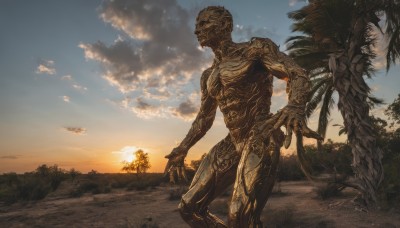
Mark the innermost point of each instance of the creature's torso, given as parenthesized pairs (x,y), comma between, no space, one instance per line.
(242,87)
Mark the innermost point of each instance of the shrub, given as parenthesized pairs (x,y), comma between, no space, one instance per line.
(149,180)
(389,192)
(327,190)
(35,185)
(28,187)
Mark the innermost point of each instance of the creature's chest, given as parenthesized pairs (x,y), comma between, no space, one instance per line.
(234,73)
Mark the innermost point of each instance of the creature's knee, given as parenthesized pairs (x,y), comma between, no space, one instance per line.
(243,216)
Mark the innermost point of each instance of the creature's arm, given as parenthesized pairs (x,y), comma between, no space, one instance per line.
(284,67)
(204,118)
(292,116)
(200,126)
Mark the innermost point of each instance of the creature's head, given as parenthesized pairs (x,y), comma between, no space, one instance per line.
(213,25)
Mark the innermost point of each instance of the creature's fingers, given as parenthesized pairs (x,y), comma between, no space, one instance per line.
(270,122)
(288,136)
(179,172)
(280,122)
(296,126)
(266,134)
(307,132)
(183,173)
(172,177)
(167,168)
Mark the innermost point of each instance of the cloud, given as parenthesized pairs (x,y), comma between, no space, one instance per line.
(76,130)
(146,110)
(279,88)
(66,77)
(126,102)
(120,60)
(9,157)
(75,85)
(127,153)
(380,112)
(244,33)
(186,110)
(294,2)
(155,54)
(126,150)
(66,99)
(46,67)
(79,87)
(380,49)
(156,57)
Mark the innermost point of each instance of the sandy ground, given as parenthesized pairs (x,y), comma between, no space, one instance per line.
(296,206)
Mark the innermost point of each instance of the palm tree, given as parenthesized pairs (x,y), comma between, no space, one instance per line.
(336,47)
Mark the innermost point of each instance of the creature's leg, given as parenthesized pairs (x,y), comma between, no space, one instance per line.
(254,181)
(216,172)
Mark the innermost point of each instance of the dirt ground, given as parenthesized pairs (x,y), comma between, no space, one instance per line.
(295,206)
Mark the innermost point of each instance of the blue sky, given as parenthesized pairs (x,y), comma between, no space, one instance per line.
(85,83)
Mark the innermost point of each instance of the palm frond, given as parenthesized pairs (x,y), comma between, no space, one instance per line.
(318,83)
(325,113)
(315,100)
(391,9)
(373,101)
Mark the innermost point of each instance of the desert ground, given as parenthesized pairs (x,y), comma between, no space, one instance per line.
(293,204)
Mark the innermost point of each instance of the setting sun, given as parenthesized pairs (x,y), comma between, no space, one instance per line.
(128,157)
(127,153)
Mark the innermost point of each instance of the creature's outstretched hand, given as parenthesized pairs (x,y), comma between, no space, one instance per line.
(176,164)
(293,118)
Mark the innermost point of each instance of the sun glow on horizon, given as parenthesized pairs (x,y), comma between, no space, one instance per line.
(127,153)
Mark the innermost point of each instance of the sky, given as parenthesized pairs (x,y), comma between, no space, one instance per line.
(84,84)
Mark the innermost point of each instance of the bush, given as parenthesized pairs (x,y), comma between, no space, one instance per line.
(91,186)
(151,181)
(27,187)
(389,192)
(51,174)
(35,185)
(327,190)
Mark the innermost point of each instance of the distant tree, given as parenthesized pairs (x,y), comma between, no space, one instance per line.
(93,174)
(73,173)
(139,165)
(393,111)
(43,170)
(53,174)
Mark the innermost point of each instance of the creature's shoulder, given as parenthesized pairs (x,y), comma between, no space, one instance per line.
(204,78)
(260,46)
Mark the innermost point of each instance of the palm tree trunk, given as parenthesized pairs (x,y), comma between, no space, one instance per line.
(348,69)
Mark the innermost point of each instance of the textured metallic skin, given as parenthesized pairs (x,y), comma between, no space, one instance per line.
(240,83)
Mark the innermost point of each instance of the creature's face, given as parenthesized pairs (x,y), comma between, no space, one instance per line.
(208,28)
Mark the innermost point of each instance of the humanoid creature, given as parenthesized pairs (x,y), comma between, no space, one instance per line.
(239,82)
